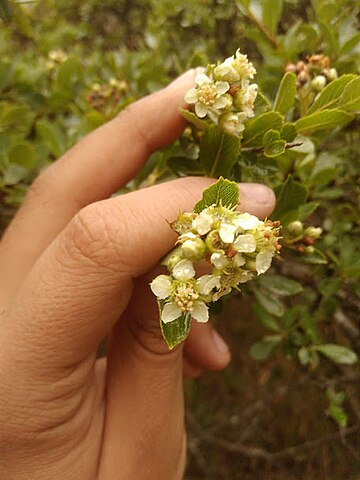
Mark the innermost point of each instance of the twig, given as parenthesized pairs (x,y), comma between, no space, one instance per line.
(261,149)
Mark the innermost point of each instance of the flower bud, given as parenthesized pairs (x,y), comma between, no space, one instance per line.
(193,249)
(332,74)
(214,243)
(183,223)
(313,232)
(295,228)
(318,83)
(173,258)
(231,123)
(309,249)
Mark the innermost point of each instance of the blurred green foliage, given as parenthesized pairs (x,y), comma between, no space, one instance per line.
(67,67)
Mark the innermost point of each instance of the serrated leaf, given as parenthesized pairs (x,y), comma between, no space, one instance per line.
(177,331)
(193,119)
(337,353)
(350,99)
(280,285)
(271,13)
(291,195)
(271,304)
(264,348)
(330,96)
(285,96)
(256,127)
(324,119)
(224,192)
(275,149)
(219,151)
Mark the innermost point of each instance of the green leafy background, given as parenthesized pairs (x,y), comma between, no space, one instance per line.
(277,411)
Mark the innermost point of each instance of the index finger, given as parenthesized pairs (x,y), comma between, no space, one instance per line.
(92,170)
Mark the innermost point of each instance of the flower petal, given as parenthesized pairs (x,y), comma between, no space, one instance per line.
(170,312)
(202,79)
(220,102)
(200,312)
(183,270)
(219,260)
(227,232)
(203,223)
(239,260)
(247,221)
(222,87)
(263,261)
(161,286)
(201,109)
(245,243)
(206,283)
(191,96)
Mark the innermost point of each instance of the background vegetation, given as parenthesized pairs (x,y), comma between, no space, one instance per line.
(66,67)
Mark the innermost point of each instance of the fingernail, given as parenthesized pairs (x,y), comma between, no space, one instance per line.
(219,343)
(258,193)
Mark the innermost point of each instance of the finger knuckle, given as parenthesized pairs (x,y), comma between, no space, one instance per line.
(100,237)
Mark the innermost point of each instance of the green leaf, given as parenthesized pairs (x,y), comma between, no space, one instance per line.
(323,119)
(315,258)
(222,192)
(329,286)
(337,353)
(177,331)
(288,132)
(52,137)
(350,99)
(285,96)
(15,174)
(219,151)
(23,155)
(291,195)
(271,304)
(339,415)
(271,13)
(263,349)
(256,127)
(280,285)
(265,318)
(350,44)
(68,73)
(330,96)
(183,165)
(273,146)
(194,119)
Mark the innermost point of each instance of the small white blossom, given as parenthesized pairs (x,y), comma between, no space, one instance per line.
(183,270)
(232,123)
(161,286)
(227,232)
(235,68)
(245,99)
(245,243)
(247,221)
(263,261)
(202,223)
(207,95)
(242,65)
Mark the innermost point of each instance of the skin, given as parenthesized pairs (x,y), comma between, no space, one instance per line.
(74,268)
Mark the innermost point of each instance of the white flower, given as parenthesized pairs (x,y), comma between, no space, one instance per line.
(263,261)
(161,286)
(183,270)
(247,221)
(227,232)
(242,65)
(219,260)
(198,311)
(207,283)
(207,95)
(245,243)
(202,223)
(232,123)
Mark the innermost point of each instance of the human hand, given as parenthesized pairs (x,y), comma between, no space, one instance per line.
(74,269)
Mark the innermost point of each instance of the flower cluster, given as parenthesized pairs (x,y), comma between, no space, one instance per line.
(55,58)
(225,95)
(314,72)
(301,239)
(106,94)
(232,246)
